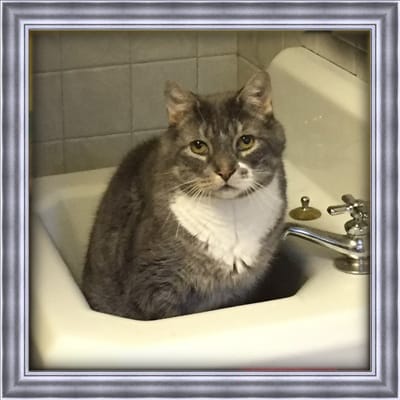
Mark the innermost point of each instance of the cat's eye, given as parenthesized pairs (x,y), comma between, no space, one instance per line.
(245,142)
(199,147)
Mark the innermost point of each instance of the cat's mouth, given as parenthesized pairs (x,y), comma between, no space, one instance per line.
(227,192)
(227,187)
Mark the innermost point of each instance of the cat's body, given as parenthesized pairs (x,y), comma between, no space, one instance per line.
(191,220)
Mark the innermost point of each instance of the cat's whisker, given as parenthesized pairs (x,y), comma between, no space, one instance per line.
(265,202)
(200,190)
(163,173)
(177,230)
(204,191)
(207,192)
(181,185)
(198,195)
(190,181)
(166,219)
(258,185)
(255,199)
(192,190)
(193,194)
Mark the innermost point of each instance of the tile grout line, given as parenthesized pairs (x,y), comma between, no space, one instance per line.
(246,60)
(197,61)
(99,136)
(64,163)
(123,64)
(98,67)
(237,60)
(282,42)
(131,110)
(103,136)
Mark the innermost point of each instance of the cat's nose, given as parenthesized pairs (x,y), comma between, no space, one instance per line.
(226,173)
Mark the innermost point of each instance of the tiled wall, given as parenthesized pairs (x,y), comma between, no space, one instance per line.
(97,93)
(347,50)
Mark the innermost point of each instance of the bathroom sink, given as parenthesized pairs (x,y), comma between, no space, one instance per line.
(313,316)
(317,316)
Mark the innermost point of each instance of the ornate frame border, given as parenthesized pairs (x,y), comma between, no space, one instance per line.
(20,17)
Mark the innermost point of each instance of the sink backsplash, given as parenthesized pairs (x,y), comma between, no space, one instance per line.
(325,111)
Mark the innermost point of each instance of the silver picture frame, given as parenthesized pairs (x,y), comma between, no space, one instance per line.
(19,18)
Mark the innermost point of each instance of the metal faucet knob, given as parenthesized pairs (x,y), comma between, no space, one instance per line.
(337,210)
(358,205)
(349,199)
(357,208)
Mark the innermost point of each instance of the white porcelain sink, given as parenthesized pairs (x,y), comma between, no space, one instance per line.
(322,325)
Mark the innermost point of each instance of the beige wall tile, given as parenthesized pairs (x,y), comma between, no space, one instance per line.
(97,101)
(47,158)
(336,51)
(217,43)
(358,39)
(245,71)
(309,40)
(363,65)
(247,45)
(269,44)
(46,51)
(92,49)
(96,152)
(47,119)
(162,45)
(148,84)
(292,39)
(217,74)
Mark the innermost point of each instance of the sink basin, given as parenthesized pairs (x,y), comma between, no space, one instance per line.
(317,317)
(314,316)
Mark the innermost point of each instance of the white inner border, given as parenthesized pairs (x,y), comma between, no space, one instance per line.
(375,102)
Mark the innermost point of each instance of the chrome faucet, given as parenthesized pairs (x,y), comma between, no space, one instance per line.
(354,245)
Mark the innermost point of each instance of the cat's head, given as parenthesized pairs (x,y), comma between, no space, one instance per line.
(223,146)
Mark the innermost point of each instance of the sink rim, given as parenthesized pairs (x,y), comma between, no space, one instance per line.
(212,325)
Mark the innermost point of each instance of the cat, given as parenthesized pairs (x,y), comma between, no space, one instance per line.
(191,220)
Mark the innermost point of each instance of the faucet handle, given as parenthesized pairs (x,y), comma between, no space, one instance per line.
(342,208)
(337,210)
(358,210)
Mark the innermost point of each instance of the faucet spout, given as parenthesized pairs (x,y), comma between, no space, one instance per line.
(353,247)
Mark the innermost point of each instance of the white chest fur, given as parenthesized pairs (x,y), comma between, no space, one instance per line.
(231,228)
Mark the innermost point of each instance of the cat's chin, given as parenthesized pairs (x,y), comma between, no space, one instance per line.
(227,193)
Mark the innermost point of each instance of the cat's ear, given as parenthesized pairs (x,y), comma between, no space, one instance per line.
(179,102)
(256,94)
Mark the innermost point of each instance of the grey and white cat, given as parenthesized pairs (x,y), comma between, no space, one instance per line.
(191,220)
